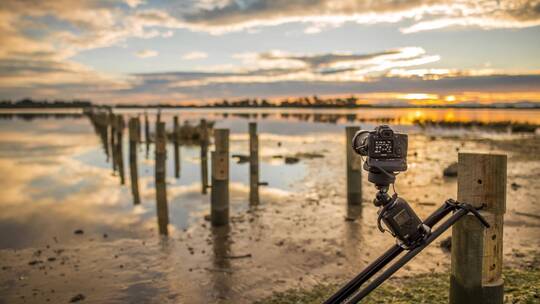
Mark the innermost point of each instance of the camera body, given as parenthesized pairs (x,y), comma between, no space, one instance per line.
(384,148)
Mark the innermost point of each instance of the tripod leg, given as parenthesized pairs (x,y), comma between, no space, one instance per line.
(407,257)
(353,285)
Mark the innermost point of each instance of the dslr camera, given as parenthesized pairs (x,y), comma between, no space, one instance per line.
(385,149)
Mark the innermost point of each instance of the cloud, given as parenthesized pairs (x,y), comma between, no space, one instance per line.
(146,53)
(222,16)
(194,55)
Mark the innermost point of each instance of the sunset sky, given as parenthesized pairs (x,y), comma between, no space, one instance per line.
(138,51)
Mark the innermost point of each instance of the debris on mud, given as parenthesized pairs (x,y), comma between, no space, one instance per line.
(451,170)
(77,298)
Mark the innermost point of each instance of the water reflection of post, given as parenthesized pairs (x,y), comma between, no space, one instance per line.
(204,155)
(253,164)
(176,135)
(146,133)
(120,147)
(222,265)
(133,139)
(160,174)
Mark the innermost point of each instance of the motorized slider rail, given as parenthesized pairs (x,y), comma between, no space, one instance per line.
(350,293)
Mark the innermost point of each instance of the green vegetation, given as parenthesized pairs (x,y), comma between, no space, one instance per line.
(521,286)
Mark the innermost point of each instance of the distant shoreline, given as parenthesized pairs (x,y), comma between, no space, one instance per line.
(330,107)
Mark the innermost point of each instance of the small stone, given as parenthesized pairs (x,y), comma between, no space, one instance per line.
(105,235)
(515,186)
(78,231)
(77,298)
(446,244)
(451,170)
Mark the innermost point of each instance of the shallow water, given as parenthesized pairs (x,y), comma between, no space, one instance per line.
(56,178)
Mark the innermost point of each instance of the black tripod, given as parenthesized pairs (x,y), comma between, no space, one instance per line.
(350,294)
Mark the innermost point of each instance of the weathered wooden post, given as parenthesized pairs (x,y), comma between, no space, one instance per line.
(204,156)
(146,133)
(354,169)
(219,196)
(160,174)
(112,123)
(477,252)
(253,164)
(119,146)
(133,140)
(176,135)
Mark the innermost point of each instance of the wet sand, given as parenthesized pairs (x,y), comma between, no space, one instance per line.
(293,239)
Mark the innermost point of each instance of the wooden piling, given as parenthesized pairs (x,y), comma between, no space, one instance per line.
(120,148)
(112,123)
(220,179)
(176,135)
(160,174)
(204,156)
(133,140)
(477,252)
(253,164)
(354,169)
(146,133)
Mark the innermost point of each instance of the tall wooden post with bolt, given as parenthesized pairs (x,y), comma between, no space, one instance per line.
(219,198)
(354,169)
(253,164)
(160,174)
(204,155)
(176,136)
(477,252)
(134,138)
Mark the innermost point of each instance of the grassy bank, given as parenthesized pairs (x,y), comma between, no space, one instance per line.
(521,286)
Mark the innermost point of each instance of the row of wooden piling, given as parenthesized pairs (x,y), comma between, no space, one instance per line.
(476,258)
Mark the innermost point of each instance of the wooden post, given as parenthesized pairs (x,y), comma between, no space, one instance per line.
(176,135)
(253,164)
(160,174)
(204,156)
(133,140)
(354,169)
(112,123)
(120,148)
(146,133)
(220,179)
(477,252)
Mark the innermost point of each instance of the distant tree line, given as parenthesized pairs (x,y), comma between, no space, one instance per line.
(29,103)
(299,102)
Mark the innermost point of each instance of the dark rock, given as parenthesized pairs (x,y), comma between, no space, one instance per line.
(78,231)
(77,298)
(309,155)
(207,217)
(51,259)
(451,170)
(241,158)
(515,186)
(35,262)
(446,244)
(291,160)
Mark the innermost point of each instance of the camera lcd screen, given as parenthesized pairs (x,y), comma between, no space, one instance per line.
(383,147)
